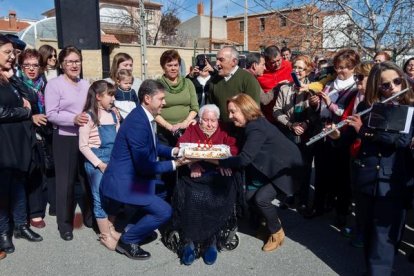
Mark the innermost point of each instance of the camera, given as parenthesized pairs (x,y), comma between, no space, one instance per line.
(201,62)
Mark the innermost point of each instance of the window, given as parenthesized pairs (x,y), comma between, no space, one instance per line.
(241,26)
(283,21)
(216,46)
(262,24)
(316,21)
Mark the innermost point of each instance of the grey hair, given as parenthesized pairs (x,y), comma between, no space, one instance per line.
(233,51)
(210,107)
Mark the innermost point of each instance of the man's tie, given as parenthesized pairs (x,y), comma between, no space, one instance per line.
(154,131)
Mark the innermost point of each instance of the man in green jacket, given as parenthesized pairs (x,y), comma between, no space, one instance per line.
(230,81)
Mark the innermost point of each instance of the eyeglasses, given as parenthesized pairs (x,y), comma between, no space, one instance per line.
(73,62)
(359,77)
(387,85)
(52,56)
(8,53)
(299,69)
(30,66)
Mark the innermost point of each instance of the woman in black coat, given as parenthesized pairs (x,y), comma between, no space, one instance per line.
(268,157)
(15,151)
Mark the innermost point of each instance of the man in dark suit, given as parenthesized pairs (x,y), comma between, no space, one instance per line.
(130,179)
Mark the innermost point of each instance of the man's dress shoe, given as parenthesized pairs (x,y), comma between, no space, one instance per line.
(67,236)
(23,231)
(6,243)
(132,250)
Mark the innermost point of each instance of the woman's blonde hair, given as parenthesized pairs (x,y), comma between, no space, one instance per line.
(364,68)
(308,62)
(248,107)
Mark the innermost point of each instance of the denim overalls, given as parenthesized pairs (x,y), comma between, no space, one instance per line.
(107,134)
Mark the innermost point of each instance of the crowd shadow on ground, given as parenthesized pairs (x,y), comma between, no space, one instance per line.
(328,244)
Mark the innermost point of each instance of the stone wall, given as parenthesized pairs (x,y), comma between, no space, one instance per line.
(92,60)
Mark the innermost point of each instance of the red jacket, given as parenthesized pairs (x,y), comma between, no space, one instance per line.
(271,79)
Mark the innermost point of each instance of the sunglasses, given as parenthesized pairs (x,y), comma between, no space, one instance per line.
(359,77)
(52,56)
(387,85)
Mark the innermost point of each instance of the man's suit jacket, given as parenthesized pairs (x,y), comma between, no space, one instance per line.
(131,173)
(270,152)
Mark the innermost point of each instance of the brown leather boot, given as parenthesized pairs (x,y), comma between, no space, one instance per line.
(2,255)
(275,240)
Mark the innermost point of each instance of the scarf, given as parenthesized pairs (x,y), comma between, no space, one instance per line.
(37,86)
(174,88)
(333,90)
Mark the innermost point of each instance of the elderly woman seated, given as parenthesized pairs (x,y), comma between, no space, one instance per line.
(205,194)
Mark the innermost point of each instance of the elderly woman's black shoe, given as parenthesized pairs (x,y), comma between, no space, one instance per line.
(23,231)
(6,243)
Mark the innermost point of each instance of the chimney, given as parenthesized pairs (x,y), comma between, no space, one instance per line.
(12,20)
(200,8)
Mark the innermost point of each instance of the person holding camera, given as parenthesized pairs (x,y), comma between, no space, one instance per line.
(200,75)
(180,109)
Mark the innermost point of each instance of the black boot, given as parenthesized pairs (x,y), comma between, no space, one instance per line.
(6,243)
(23,231)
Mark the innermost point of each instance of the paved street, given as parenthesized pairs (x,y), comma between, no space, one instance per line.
(312,247)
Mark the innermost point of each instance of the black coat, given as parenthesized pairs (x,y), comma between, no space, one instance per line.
(15,130)
(268,151)
(200,89)
(384,165)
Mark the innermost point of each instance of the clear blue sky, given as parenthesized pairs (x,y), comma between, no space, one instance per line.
(32,9)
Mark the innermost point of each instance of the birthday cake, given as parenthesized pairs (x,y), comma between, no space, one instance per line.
(205,151)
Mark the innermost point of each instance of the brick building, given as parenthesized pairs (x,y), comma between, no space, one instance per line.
(297,28)
(12,25)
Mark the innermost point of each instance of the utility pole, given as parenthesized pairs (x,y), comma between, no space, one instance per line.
(210,38)
(143,38)
(246,26)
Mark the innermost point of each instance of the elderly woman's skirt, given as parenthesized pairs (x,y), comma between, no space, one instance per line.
(203,205)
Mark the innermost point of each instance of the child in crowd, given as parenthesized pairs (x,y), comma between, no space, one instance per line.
(381,171)
(96,139)
(126,98)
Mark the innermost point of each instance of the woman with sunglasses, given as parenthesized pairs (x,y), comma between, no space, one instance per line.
(65,97)
(49,61)
(382,171)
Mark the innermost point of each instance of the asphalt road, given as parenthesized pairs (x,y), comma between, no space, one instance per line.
(312,247)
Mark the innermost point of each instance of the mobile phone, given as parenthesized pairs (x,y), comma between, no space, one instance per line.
(295,79)
(201,61)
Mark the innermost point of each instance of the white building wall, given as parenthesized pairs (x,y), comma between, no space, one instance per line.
(333,32)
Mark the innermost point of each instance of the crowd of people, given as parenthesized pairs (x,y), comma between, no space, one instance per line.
(119,140)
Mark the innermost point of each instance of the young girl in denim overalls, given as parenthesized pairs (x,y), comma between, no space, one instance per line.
(96,139)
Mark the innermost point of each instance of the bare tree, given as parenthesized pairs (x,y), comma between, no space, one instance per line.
(167,28)
(159,26)
(369,25)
